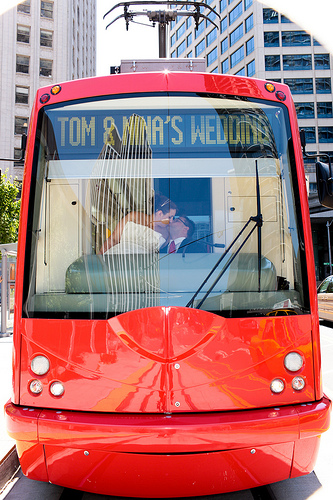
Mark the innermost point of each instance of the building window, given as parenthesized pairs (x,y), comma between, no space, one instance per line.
(250,46)
(237,56)
(200,47)
(270,16)
(190,54)
(46,38)
(236,34)
(17,153)
(181,48)
(212,56)
(310,134)
(200,29)
(309,161)
(325,134)
(247,4)
(181,30)
(241,72)
(312,187)
(249,23)
(316,43)
(211,37)
(295,39)
(300,85)
(23,34)
(20,125)
(272,63)
(324,110)
(24,7)
(212,17)
(173,40)
(304,109)
(323,85)
(188,22)
(45,67)
(251,68)
(22,64)
(225,66)
(189,40)
(224,45)
(223,5)
(285,19)
(224,24)
(173,54)
(21,95)
(271,39)
(329,153)
(297,61)
(215,70)
(235,13)
(46,10)
(322,61)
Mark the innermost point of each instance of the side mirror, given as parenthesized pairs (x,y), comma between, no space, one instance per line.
(324,184)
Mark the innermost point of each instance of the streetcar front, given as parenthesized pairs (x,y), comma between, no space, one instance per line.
(166,310)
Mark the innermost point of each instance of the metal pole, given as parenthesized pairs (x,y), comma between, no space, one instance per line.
(329,245)
(162,29)
(4,289)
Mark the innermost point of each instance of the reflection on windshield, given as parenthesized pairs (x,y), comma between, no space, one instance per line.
(164,201)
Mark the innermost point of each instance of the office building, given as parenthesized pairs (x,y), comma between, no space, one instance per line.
(41,42)
(255,40)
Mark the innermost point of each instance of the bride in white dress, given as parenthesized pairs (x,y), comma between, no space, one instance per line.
(141,233)
(136,238)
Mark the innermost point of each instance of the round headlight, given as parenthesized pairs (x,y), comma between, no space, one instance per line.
(35,386)
(40,365)
(57,389)
(298,383)
(277,385)
(293,361)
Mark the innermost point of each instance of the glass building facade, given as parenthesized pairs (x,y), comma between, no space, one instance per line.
(254,40)
(257,41)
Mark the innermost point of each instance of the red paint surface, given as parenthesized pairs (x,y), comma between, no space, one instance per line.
(122,383)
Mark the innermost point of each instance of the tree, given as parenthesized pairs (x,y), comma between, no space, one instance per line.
(9,209)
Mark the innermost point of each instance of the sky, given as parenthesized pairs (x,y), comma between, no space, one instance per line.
(116,44)
(140,42)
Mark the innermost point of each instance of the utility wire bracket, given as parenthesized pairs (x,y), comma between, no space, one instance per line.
(162,17)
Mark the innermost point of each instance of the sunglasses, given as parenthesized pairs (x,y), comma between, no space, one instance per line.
(181,220)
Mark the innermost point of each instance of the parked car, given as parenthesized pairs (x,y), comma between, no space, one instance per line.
(325,299)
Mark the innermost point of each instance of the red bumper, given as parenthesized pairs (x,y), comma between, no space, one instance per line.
(167,455)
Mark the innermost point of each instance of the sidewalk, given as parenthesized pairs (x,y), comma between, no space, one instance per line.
(8,457)
(6,343)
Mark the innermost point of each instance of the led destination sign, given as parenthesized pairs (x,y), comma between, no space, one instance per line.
(92,131)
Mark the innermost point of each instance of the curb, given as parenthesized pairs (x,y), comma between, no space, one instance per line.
(8,465)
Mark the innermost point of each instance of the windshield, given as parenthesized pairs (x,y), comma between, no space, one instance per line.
(164,200)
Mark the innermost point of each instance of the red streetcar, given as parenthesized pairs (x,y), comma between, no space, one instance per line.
(166,338)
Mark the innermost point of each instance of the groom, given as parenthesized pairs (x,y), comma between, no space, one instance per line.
(181,232)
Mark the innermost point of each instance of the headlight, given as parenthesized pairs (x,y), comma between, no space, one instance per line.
(298,383)
(277,385)
(57,389)
(36,386)
(40,365)
(293,361)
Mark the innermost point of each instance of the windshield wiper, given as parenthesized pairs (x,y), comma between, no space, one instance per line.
(258,219)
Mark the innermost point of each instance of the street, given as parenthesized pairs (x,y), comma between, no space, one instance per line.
(316,486)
